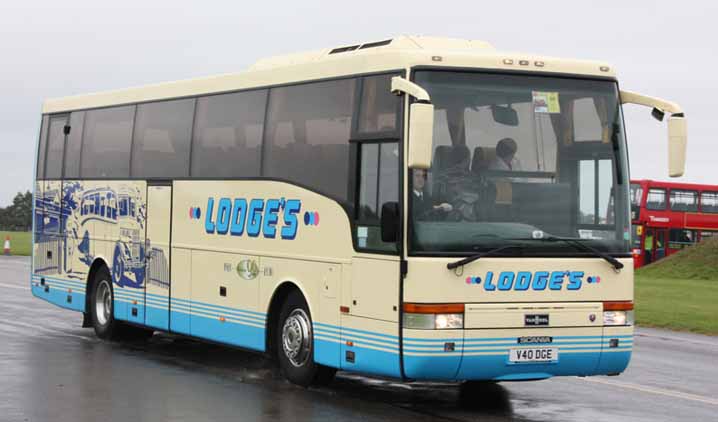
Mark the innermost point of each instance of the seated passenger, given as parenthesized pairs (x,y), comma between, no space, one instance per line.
(423,206)
(506,156)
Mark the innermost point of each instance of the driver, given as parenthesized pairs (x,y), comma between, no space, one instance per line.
(423,206)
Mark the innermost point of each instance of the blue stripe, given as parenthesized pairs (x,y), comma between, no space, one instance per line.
(357,331)
(174,299)
(221,309)
(351,336)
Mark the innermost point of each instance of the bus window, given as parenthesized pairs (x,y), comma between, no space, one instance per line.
(684,200)
(55,147)
(636,196)
(311,124)
(708,234)
(162,132)
(73,146)
(378,109)
(41,148)
(656,199)
(680,238)
(106,142)
(378,184)
(227,139)
(709,202)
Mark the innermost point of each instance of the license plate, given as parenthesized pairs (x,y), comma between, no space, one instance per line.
(534,354)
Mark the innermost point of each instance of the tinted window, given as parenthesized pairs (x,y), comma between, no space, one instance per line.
(656,199)
(680,238)
(378,184)
(307,135)
(74,145)
(378,109)
(160,147)
(227,139)
(106,142)
(709,201)
(636,194)
(684,200)
(55,147)
(41,148)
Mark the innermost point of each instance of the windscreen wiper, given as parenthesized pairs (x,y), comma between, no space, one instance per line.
(474,257)
(580,245)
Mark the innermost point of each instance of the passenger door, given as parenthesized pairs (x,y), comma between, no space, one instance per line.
(157,255)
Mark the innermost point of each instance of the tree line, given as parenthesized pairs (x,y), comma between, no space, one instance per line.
(18,216)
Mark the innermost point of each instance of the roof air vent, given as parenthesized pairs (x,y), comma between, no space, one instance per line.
(375,44)
(344,49)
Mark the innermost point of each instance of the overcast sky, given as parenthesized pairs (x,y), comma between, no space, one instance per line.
(53,49)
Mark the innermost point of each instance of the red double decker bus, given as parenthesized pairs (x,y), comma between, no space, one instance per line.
(667,217)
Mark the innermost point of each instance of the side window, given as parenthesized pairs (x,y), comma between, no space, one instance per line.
(709,202)
(160,147)
(378,110)
(636,194)
(307,136)
(74,145)
(680,238)
(55,147)
(41,148)
(227,140)
(378,184)
(684,200)
(656,199)
(106,142)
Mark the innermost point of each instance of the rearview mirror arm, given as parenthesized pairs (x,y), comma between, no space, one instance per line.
(400,86)
(629,97)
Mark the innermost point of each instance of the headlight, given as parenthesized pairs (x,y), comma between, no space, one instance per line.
(618,313)
(618,318)
(448,321)
(433,317)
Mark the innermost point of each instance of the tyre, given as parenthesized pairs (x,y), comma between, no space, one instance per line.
(295,344)
(101,306)
(102,313)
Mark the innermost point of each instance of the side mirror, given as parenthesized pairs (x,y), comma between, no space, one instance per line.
(677,142)
(389,222)
(421,133)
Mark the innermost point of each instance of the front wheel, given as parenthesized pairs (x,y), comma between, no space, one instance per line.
(295,344)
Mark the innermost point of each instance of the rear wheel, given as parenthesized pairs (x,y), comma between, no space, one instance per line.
(295,344)
(103,316)
(101,306)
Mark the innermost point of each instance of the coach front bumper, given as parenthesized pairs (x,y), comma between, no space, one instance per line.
(485,354)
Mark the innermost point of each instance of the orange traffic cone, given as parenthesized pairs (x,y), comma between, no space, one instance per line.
(6,248)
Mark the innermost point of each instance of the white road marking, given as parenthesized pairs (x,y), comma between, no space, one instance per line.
(10,286)
(654,390)
(669,337)
(57,331)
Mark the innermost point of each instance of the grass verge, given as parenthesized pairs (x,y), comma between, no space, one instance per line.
(20,242)
(677,304)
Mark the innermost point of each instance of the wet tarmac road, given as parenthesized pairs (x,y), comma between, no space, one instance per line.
(53,370)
